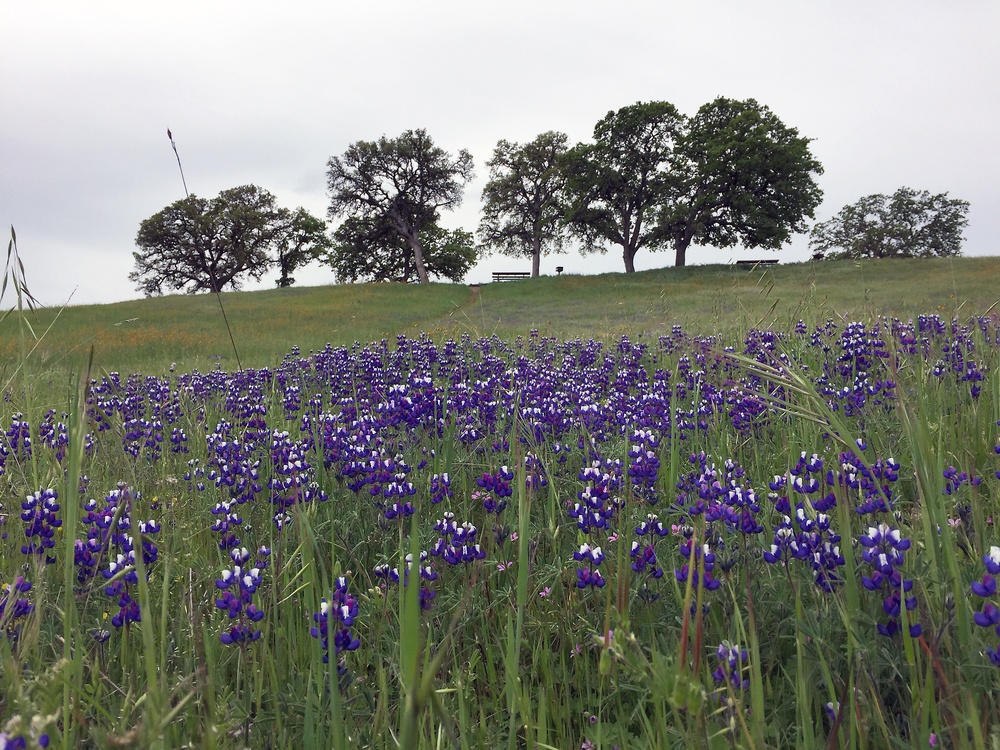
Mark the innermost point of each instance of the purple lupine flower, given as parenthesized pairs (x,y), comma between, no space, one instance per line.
(883,551)
(989,615)
(426,576)
(591,576)
(337,614)
(38,512)
(118,545)
(733,662)
(238,585)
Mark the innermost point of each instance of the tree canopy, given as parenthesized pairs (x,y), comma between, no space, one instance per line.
(907,224)
(653,178)
(743,178)
(522,212)
(400,185)
(301,239)
(365,250)
(615,185)
(199,244)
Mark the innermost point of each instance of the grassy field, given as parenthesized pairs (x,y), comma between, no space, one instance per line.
(148,335)
(703,507)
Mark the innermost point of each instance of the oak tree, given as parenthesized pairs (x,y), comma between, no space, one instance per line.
(209,244)
(907,224)
(732,174)
(744,177)
(399,184)
(616,185)
(522,212)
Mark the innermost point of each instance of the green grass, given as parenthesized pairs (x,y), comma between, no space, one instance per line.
(148,335)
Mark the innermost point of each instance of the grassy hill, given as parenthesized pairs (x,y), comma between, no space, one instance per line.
(148,335)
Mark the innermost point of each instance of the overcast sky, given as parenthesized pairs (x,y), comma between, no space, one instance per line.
(894,92)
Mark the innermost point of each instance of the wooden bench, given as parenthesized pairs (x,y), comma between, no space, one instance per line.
(764,262)
(510,276)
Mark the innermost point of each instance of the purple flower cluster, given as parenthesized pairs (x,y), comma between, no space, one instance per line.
(732,664)
(590,575)
(883,551)
(441,488)
(807,535)
(600,499)
(495,489)
(643,553)
(702,556)
(117,544)
(238,585)
(292,481)
(38,511)
(336,614)
(456,544)
(14,606)
(426,573)
(644,466)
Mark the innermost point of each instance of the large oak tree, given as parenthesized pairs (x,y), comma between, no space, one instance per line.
(209,244)
(744,178)
(732,174)
(400,184)
(616,185)
(522,211)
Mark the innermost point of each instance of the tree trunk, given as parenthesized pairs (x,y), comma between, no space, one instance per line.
(680,251)
(536,257)
(628,255)
(418,257)
(681,243)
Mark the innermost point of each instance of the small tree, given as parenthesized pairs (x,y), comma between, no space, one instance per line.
(398,184)
(303,239)
(199,244)
(371,251)
(907,224)
(522,214)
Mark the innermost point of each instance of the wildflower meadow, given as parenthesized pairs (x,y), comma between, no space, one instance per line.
(782,540)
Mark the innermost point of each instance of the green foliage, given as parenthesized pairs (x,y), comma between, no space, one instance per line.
(396,185)
(732,174)
(615,186)
(747,179)
(907,224)
(303,239)
(200,244)
(522,214)
(372,251)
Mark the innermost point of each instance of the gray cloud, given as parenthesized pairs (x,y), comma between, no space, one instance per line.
(894,93)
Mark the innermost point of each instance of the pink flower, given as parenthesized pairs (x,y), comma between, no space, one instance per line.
(545,592)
